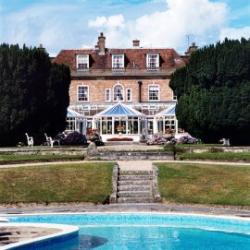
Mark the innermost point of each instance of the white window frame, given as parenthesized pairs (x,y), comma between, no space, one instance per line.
(110,95)
(157,63)
(159,92)
(78,61)
(118,84)
(78,87)
(129,99)
(114,64)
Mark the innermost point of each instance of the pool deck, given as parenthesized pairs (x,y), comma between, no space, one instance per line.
(153,207)
(15,234)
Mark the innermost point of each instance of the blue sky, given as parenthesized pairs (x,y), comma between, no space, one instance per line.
(65,24)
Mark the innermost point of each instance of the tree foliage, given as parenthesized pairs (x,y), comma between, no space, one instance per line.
(33,94)
(213,92)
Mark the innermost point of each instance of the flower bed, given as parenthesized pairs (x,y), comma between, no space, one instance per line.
(120,139)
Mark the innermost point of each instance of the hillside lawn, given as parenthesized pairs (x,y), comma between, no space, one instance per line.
(217,156)
(204,184)
(25,158)
(87,182)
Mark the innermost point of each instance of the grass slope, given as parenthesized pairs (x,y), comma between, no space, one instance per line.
(12,159)
(88,182)
(220,156)
(205,184)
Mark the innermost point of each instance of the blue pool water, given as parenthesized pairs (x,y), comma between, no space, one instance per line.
(147,231)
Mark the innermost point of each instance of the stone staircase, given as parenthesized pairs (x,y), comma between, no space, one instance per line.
(134,186)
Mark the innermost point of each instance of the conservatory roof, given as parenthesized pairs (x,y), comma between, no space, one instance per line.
(119,110)
(170,111)
(73,114)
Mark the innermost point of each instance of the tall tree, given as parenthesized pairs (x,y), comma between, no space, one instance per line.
(33,94)
(213,92)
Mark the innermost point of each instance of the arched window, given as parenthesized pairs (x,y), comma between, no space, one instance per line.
(118,93)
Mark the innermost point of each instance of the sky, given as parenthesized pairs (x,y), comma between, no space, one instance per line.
(70,24)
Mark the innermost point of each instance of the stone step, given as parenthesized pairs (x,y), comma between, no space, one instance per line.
(134,187)
(135,172)
(134,182)
(140,194)
(134,200)
(135,177)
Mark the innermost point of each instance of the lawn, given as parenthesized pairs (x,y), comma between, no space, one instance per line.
(204,184)
(87,182)
(12,158)
(218,156)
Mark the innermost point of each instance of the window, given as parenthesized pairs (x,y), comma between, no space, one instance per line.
(118,93)
(107,95)
(70,124)
(83,93)
(82,62)
(107,125)
(118,61)
(154,93)
(129,95)
(153,61)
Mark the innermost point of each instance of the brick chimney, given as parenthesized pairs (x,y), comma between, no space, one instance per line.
(191,49)
(40,47)
(136,43)
(101,44)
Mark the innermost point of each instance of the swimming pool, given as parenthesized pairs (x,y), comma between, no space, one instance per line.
(142,231)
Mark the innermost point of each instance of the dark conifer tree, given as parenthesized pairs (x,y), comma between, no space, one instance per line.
(214,92)
(33,94)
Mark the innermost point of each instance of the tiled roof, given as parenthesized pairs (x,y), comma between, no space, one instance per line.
(135,58)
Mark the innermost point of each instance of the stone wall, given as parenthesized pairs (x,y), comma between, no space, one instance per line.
(132,155)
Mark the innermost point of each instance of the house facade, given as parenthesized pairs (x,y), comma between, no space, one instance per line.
(122,93)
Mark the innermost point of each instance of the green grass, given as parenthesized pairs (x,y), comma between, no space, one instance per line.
(204,184)
(218,156)
(12,159)
(87,182)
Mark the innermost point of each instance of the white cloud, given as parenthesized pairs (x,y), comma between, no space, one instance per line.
(200,18)
(116,21)
(37,24)
(235,33)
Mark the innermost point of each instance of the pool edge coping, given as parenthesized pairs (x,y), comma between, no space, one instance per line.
(129,212)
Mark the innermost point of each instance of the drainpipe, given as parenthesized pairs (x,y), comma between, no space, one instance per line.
(140,92)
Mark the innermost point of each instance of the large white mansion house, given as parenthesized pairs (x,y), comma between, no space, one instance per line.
(122,93)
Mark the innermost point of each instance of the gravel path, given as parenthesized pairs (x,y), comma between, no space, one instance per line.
(153,207)
(138,164)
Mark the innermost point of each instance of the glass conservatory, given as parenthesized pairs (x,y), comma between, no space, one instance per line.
(121,121)
(75,122)
(166,121)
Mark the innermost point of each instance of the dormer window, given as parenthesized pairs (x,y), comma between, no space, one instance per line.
(82,62)
(118,61)
(153,61)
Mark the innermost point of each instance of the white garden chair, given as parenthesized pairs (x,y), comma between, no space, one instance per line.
(30,140)
(225,141)
(50,142)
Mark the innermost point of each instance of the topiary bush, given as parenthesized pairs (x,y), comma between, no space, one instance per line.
(75,138)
